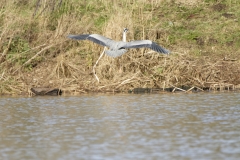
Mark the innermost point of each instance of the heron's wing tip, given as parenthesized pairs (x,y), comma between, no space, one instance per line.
(70,36)
(166,51)
(78,37)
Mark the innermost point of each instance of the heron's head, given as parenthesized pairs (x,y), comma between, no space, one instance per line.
(125,30)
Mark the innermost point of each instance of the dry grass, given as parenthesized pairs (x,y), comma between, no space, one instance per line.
(36,53)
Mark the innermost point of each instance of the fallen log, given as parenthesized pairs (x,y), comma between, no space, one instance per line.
(46,91)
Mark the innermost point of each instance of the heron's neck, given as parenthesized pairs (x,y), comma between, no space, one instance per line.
(124,36)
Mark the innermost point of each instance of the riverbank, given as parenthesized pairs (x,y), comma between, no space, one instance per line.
(203,39)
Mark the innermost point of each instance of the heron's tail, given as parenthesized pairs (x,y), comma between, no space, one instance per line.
(115,53)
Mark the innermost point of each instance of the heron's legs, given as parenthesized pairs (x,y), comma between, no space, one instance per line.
(94,72)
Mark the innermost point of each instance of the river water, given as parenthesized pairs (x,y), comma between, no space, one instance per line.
(121,126)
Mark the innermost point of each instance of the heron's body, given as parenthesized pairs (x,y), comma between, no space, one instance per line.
(118,48)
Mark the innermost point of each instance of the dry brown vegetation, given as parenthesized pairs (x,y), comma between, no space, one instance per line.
(34,52)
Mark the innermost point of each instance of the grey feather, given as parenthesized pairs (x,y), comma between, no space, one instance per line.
(146,44)
(79,37)
(118,48)
(96,38)
(115,53)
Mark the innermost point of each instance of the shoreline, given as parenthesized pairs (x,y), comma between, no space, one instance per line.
(171,90)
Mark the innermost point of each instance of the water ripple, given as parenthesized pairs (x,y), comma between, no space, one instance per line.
(124,126)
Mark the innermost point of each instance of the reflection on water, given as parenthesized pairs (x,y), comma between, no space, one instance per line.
(148,126)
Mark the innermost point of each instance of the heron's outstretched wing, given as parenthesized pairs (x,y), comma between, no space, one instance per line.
(96,38)
(146,43)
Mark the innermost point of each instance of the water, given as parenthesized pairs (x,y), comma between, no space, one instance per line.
(121,126)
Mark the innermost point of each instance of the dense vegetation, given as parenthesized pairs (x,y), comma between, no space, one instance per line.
(204,37)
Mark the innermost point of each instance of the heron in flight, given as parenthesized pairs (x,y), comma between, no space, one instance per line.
(118,48)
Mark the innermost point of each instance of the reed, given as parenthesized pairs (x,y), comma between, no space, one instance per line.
(204,39)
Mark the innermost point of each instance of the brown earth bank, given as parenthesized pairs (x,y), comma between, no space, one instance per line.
(128,73)
(203,38)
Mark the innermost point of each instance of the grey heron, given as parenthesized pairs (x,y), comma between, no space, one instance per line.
(118,48)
